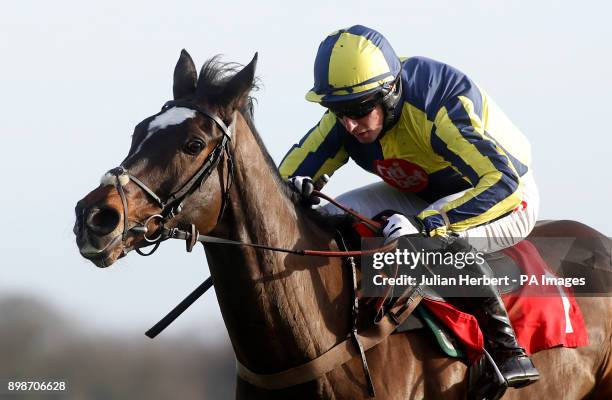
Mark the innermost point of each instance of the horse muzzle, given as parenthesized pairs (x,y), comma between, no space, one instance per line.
(98,233)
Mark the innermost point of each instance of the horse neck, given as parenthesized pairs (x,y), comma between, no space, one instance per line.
(279,309)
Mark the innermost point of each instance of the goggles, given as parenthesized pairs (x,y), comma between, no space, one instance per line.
(355,109)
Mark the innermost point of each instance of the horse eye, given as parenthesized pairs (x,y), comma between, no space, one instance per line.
(194,147)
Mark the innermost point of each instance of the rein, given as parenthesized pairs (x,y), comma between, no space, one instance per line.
(176,233)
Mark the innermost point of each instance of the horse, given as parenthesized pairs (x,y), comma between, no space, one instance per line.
(282,310)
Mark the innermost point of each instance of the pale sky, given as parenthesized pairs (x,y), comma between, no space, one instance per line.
(77,76)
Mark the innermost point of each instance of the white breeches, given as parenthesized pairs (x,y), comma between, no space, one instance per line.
(492,236)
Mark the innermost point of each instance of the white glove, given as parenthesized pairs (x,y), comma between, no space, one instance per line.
(398,225)
(304,186)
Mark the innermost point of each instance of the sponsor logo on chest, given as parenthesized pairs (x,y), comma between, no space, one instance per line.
(404,175)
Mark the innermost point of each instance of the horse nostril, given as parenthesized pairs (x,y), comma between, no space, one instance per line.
(103,221)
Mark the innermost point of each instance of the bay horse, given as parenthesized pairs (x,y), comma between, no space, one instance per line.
(282,310)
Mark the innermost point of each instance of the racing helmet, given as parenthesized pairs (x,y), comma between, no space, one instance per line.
(354,70)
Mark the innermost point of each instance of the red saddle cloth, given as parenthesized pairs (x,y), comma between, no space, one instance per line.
(540,321)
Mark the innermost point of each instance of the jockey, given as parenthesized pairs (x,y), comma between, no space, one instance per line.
(453,164)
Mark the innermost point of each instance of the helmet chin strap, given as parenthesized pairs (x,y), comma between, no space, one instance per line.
(391,104)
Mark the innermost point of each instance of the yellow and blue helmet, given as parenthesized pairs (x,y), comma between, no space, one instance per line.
(353,63)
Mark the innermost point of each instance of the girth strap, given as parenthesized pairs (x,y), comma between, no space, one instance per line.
(337,355)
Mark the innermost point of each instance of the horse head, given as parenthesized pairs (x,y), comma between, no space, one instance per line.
(177,171)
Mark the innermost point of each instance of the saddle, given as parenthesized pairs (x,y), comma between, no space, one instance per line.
(501,264)
(542,316)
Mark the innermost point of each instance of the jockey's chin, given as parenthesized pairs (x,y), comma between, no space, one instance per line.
(367,128)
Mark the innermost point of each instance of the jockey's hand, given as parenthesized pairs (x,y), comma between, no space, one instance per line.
(398,225)
(304,186)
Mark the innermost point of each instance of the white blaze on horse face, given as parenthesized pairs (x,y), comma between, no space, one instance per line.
(172,116)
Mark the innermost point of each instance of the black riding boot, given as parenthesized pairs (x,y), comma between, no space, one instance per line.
(486,305)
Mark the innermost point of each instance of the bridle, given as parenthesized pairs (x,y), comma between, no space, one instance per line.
(173,205)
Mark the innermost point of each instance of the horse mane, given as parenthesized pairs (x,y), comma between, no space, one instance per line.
(214,74)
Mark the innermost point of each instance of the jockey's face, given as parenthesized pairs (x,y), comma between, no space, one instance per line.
(367,128)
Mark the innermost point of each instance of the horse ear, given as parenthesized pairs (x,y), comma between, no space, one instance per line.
(185,76)
(238,88)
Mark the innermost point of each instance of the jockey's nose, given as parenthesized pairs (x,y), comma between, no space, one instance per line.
(102,220)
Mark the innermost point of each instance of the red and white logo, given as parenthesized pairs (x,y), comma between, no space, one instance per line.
(402,174)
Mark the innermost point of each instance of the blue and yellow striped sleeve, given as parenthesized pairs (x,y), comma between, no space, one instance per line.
(460,137)
(320,151)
